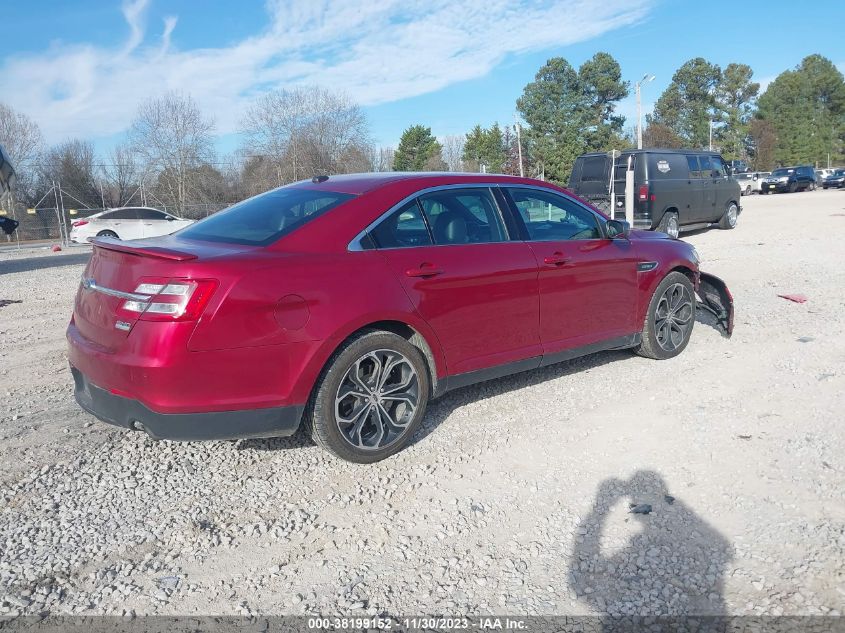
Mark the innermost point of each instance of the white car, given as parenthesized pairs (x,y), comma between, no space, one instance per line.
(750,182)
(126,223)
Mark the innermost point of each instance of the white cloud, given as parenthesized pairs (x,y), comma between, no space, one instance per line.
(376,51)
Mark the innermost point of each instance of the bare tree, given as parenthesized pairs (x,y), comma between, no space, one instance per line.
(175,140)
(453,150)
(121,177)
(381,158)
(71,166)
(21,137)
(306,131)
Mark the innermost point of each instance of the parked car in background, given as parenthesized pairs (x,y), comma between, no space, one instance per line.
(674,190)
(836,180)
(790,179)
(126,223)
(738,166)
(751,182)
(347,303)
(823,173)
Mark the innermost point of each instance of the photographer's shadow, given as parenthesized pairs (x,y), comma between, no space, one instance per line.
(673,565)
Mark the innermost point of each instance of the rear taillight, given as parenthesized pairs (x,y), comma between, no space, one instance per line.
(170,299)
(643,193)
(79,223)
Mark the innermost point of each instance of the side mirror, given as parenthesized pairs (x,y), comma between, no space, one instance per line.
(170,218)
(616,229)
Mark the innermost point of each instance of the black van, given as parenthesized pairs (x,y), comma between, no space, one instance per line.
(673,190)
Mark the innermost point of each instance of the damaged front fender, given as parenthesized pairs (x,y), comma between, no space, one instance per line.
(717,299)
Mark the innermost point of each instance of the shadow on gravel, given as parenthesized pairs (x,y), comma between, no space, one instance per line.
(439,410)
(673,565)
(299,439)
(39,263)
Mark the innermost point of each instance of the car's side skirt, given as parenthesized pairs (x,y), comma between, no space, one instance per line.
(457,381)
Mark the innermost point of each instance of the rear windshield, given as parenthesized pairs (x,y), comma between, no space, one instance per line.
(265,218)
(594,168)
(782,172)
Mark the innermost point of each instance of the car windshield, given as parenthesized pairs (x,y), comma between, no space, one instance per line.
(838,172)
(265,218)
(782,172)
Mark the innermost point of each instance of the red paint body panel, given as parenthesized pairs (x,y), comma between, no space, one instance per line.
(280,311)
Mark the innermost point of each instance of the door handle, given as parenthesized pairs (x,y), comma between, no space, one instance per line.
(556,259)
(424,270)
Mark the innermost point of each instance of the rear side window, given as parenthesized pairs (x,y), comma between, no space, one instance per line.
(121,214)
(463,216)
(550,217)
(265,218)
(403,228)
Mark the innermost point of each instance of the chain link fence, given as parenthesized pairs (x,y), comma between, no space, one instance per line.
(46,224)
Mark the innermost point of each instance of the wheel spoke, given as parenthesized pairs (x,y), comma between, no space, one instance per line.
(377,399)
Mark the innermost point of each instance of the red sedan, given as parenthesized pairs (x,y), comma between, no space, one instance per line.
(346,303)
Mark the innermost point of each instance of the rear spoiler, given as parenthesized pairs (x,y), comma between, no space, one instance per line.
(111,244)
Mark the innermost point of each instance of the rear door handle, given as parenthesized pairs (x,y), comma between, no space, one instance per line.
(556,259)
(425,270)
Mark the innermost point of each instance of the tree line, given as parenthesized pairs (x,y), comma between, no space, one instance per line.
(168,158)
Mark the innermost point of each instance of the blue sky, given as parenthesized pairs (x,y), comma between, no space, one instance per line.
(80,68)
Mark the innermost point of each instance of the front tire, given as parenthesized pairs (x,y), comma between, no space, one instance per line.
(670,318)
(370,398)
(728,220)
(669,225)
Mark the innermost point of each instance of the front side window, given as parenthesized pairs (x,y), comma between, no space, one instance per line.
(718,165)
(550,217)
(706,166)
(265,218)
(403,228)
(463,216)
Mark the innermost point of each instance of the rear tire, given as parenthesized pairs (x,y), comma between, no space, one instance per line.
(360,414)
(728,220)
(669,224)
(670,318)
(111,234)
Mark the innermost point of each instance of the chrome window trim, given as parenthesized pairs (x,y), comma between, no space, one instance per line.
(88,283)
(355,245)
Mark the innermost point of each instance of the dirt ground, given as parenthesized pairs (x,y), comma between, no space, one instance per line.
(514,497)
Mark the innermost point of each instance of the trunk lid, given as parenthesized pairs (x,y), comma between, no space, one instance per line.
(117,268)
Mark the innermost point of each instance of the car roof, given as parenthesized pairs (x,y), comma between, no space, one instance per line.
(655,150)
(357,184)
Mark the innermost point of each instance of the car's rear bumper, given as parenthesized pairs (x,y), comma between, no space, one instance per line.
(216,425)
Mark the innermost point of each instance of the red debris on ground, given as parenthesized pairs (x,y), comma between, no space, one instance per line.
(56,248)
(797,298)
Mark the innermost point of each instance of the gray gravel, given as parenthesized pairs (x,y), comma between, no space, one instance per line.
(516,496)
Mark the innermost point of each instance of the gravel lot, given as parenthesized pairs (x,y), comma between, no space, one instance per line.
(514,498)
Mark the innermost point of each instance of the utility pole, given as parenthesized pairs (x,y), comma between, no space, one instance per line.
(710,144)
(637,86)
(519,146)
